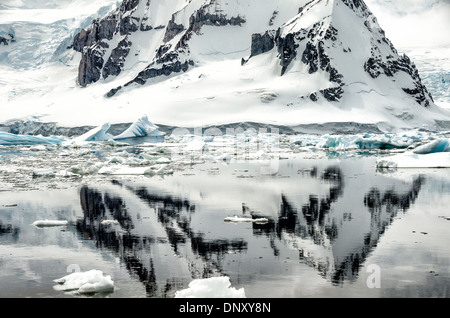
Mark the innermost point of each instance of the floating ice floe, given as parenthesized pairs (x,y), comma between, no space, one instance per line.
(142,130)
(413,160)
(110,222)
(50,223)
(8,139)
(215,287)
(238,219)
(439,145)
(44,172)
(435,154)
(89,282)
(364,141)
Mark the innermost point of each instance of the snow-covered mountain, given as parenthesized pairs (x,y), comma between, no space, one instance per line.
(210,62)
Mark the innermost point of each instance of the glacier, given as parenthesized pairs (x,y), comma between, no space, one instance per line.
(8,139)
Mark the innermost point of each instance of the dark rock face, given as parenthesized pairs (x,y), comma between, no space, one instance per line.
(117,58)
(8,39)
(376,67)
(89,70)
(262,43)
(287,48)
(91,43)
(167,59)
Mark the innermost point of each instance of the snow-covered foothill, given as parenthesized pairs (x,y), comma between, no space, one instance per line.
(93,281)
(214,287)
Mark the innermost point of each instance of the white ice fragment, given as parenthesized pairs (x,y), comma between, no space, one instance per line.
(49,223)
(238,219)
(195,145)
(124,170)
(110,222)
(214,287)
(163,160)
(92,281)
(38,148)
(45,172)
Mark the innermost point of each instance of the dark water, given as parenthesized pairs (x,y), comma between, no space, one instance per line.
(336,228)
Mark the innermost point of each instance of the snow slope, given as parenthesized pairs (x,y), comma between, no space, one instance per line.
(40,79)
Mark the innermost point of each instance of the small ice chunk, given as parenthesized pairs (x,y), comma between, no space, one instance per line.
(195,145)
(214,287)
(89,282)
(110,222)
(163,160)
(238,219)
(45,172)
(49,223)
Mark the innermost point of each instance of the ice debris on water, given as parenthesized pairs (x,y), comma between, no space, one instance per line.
(435,154)
(214,287)
(8,139)
(50,223)
(89,282)
(238,219)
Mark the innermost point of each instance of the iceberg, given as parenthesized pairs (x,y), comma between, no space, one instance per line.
(414,160)
(141,128)
(439,145)
(214,287)
(88,282)
(99,133)
(8,139)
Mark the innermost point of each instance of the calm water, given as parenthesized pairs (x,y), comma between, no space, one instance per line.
(336,228)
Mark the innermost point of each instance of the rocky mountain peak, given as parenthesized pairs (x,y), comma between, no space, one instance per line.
(338,40)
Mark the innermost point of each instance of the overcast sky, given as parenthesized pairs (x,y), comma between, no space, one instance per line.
(408,23)
(413,23)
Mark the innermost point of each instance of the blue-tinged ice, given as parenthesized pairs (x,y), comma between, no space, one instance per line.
(99,133)
(439,145)
(8,139)
(141,128)
(365,141)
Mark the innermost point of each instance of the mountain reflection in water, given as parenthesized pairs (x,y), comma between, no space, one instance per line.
(334,241)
